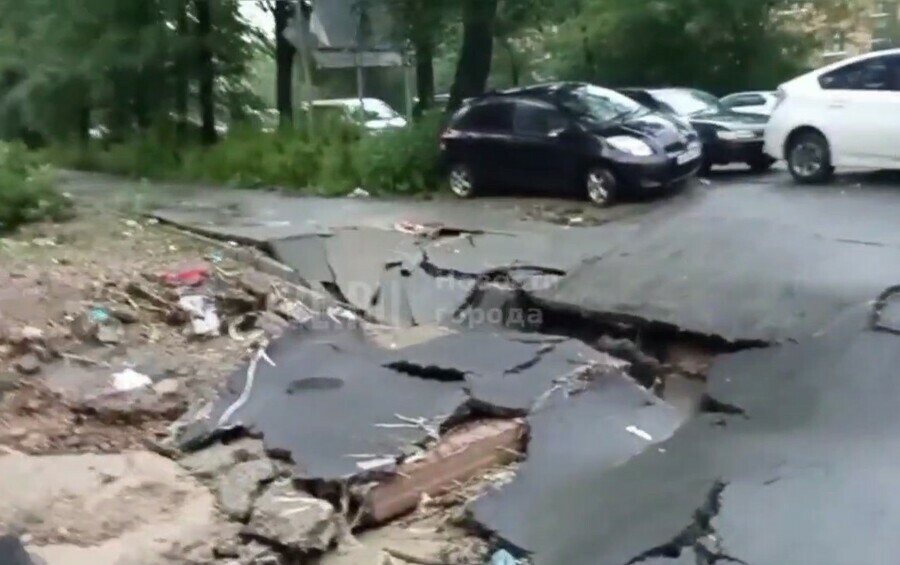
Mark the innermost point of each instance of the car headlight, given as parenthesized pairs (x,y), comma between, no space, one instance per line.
(732,135)
(630,145)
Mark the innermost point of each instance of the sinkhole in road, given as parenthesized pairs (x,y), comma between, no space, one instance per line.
(668,360)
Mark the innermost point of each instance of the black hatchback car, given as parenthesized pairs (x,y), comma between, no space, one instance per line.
(727,136)
(573,135)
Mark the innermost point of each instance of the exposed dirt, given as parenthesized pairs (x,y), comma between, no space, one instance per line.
(84,300)
(103,509)
(57,360)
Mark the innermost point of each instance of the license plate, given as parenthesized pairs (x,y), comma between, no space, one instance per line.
(689,155)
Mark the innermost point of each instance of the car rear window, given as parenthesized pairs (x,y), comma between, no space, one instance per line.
(487,117)
(871,74)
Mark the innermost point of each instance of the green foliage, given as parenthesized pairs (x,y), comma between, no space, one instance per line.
(26,190)
(719,46)
(333,161)
(402,161)
(68,65)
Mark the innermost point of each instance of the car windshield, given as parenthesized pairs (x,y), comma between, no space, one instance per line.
(601,104)
(688,102)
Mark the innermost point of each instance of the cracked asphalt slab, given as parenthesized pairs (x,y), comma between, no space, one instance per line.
(802,469)
(573,439)
(805,476)
(333,398)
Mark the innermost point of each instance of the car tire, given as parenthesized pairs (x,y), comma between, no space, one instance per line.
(761,163)
(600,186)
(809,158)
(462,181)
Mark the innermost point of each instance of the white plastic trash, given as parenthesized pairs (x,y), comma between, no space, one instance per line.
(129,379)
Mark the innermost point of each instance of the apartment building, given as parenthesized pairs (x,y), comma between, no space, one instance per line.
(848,28)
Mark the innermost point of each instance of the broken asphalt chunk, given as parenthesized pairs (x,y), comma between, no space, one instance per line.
(325,398)
(572,438)
(819,426)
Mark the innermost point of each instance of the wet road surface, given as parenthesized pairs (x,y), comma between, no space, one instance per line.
(802,468)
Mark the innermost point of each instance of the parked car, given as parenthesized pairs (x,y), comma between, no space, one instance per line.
(575,136)
(371,113)
(846,114)
(727,136)
(759,102)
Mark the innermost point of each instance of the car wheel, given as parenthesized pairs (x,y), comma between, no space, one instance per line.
(809,158)
(601,186)
(462,181)
(761,164)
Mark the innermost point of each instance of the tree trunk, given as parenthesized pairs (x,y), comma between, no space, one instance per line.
(424,76)
(141,108)
(513,62)
(182,84)
(284,61)
(588,54)
(476,52)
(207,71)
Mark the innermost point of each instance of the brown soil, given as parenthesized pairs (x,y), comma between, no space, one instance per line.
(51,277)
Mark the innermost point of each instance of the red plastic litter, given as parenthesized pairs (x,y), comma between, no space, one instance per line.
(188,277)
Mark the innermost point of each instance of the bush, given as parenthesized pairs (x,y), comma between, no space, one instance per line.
(333,161)
(402,161)
(26,190)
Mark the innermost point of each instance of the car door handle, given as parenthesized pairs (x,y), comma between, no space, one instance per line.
(838,104)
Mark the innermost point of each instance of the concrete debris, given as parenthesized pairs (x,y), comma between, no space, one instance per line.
(167,386)
(110,334)
(292,519)
(203,316)
(132,407)
(84,327)
(28,364)
(256,553)
(272,324)
(211,462)
(237,488)
(30,333)
(125,314)
(256,283)
(461,454)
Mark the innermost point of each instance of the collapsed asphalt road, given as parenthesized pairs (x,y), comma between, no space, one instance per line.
(792,462)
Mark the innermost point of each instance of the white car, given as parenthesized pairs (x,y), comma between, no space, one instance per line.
(758,102)
(371,113)
(844,115)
